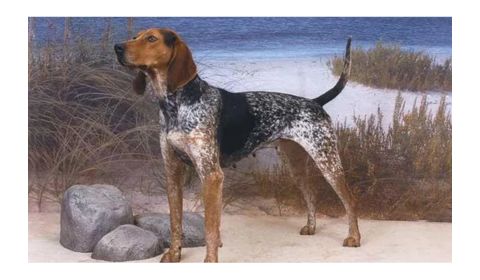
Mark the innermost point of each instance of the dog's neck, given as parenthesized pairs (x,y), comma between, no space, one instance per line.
(158,79)
(193,86)
(191,91)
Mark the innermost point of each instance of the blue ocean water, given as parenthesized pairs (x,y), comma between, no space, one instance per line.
(267,37)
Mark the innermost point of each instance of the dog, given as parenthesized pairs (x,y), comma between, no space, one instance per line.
(210,128)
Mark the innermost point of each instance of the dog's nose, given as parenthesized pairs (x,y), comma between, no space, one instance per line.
(119,48)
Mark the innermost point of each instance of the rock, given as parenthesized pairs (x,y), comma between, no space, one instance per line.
(159,223)
(90,212)
(127,243)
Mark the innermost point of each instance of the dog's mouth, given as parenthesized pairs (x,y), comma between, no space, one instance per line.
(121,59)
(120,51)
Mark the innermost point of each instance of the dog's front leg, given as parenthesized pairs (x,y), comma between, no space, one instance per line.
(205,155)
(212,197)
(175,175)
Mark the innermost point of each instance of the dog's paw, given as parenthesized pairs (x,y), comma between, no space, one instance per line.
(351,242)
(171,256)
(306,230)
(211,259)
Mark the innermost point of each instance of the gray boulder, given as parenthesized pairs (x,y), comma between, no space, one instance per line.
(90,212)
(159,223)
(127,243)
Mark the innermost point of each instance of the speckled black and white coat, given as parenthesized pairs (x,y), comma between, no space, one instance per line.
(241,122)
(210,128)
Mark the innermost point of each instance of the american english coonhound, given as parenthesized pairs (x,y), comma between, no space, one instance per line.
(210,128)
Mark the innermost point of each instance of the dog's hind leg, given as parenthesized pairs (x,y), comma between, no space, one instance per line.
(299,164)
(336,178)
(320,143)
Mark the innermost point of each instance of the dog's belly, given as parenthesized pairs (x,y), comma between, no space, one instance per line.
(227,160)
(235,142)
(237,133)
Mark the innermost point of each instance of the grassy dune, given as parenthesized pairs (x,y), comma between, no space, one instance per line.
(389,66)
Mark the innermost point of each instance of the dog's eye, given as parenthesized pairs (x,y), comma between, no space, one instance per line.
(134,38)
(152,38)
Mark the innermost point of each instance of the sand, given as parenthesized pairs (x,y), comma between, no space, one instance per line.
(263,238)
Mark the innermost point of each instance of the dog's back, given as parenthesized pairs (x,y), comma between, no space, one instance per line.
(250,119)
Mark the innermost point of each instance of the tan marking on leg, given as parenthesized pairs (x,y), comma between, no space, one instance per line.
(174,173)
(202,150)
(328,161)
(298,163)
(212,192)
(334,175)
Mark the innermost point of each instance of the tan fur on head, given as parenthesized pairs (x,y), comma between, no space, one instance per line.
(161,55)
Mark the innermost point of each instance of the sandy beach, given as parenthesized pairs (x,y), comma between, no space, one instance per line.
(263,238)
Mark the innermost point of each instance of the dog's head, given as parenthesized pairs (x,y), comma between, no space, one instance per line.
(160,54)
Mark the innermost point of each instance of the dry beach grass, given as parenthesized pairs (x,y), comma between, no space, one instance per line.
(390,66)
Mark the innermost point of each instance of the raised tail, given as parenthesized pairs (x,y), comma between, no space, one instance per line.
(333,92)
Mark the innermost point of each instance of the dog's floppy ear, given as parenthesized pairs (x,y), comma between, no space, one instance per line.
(181,68)
(140,83)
